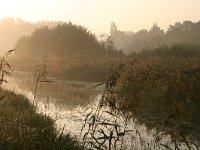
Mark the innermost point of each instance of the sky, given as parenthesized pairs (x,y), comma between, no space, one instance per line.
(97,15)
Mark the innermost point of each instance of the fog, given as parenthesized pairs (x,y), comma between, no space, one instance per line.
(181,32)
(12,29)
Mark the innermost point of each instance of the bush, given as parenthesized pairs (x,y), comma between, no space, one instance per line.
(157,84)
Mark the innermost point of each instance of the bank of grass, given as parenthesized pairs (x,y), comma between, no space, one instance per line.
(24,129)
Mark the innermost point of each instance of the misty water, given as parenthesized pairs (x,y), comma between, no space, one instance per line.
(66,101)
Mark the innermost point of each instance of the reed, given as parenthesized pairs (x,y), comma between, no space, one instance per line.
(161,89)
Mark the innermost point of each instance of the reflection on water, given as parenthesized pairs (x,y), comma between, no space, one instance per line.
(66,102)
(62,100)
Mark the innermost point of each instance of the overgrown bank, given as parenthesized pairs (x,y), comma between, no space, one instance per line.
(161,89)
(22,128)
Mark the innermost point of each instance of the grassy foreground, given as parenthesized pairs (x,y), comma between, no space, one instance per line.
(22,128)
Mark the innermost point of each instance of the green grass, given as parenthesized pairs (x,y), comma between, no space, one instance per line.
(22,128)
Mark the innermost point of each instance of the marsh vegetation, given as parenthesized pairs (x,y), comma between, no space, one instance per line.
(87,85)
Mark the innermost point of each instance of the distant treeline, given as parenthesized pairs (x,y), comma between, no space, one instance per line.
(73,52)
(187,32)
(65,39)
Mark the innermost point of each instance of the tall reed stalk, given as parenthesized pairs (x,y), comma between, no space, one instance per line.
(5,67)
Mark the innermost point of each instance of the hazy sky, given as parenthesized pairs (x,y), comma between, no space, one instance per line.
(97,15)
